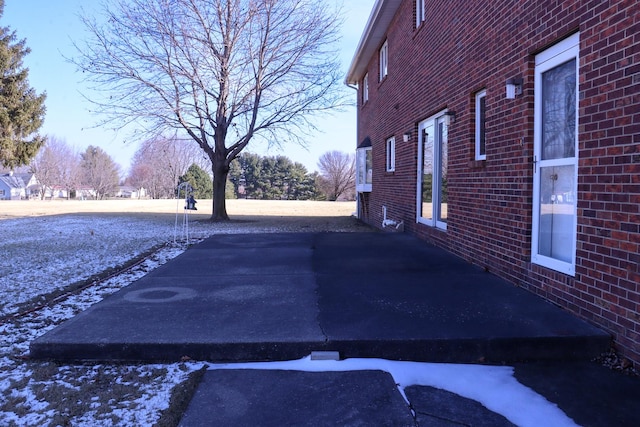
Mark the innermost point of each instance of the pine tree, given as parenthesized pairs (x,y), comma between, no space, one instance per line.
(272,178)
(200,182)
(21,109)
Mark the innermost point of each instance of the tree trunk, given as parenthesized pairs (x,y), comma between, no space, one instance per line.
(219,200)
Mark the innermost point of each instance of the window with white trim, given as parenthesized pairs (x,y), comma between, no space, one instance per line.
(555,160)
(481,152)
(391,154)
(420,12)
(365,88)
(364,169)
(384,60)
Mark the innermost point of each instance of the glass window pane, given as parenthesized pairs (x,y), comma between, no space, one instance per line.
(481,125)
(427,171)
(559,112)
(360,168)
(557,210)
(369,166)
(390,155)
(442,175)
(384,60)
(365,88)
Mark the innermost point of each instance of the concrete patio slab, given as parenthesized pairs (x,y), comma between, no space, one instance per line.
(281,296)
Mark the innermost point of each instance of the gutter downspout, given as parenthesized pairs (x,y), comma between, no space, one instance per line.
(358,213)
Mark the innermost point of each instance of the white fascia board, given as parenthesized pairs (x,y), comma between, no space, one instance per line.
(374,34)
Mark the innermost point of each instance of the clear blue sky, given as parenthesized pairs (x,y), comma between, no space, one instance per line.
(49,26)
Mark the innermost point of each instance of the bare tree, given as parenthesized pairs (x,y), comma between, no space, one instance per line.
(337,174)
(159,163)
(55,165)
(225,72)
(45,166)
(99,171)
(70,176)
(141,176)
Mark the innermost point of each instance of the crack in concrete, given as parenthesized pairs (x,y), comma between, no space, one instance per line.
(316,292)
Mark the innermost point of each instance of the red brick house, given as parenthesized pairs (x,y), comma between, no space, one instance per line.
(509,134)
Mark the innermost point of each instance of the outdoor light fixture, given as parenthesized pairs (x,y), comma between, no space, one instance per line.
(514,87)
(449,117)
(406,136)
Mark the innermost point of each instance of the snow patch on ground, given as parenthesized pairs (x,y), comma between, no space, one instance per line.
(49,253)
(46,254)
(495,387)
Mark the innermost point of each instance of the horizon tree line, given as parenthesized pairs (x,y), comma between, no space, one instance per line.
(159,166)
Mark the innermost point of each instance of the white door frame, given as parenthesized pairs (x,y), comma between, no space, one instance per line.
(551,58)
(435,219)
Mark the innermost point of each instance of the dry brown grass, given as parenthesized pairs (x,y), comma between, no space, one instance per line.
(240,209)
(247,215)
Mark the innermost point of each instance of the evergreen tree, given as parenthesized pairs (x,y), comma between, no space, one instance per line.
(272,178)
(21,109)
(246,175)
(304,186)
(200,182)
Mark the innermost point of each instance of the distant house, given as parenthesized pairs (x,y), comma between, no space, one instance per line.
(509,134)
(17,186)
(56,192)
(84,192)
(32,186)
(130,192)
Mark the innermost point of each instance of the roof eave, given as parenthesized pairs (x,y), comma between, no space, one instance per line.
(374,33)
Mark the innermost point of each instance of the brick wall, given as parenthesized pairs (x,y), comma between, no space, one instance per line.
(465,46)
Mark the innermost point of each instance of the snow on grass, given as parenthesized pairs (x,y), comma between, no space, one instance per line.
(89,395)
(16,335)
(84,395)
(48,253)
(45,254)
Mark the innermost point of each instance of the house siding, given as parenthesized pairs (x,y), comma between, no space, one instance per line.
(467,46)
(12,187)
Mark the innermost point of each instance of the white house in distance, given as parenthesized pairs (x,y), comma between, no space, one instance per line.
(17,186)
(23,186)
